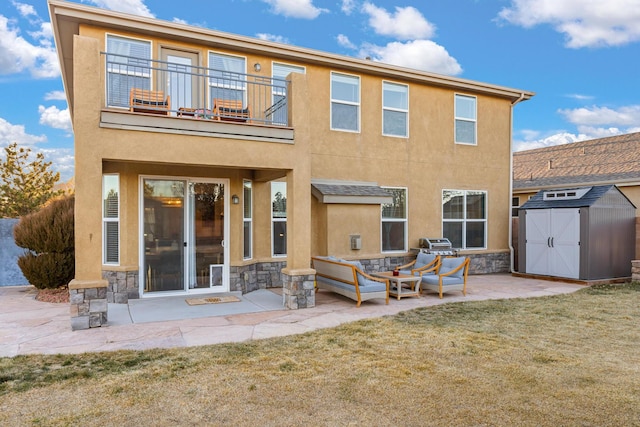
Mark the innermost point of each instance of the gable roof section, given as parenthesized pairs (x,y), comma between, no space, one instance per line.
(367,193)
(614,160)
(66,18)
(591,197)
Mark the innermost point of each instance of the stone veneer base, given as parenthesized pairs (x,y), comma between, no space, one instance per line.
(88,304)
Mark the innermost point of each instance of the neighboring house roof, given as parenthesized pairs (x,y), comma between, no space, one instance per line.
(614,160)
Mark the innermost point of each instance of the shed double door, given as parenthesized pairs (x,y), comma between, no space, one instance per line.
(553,242)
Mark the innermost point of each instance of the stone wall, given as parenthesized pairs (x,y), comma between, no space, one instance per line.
(10,273)
(123,285)
(635,270)
(261,275)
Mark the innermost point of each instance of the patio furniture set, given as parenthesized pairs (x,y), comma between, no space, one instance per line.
(427,272)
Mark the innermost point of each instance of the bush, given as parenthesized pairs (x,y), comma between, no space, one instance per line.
(48,234)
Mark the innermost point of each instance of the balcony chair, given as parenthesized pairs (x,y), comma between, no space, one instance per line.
(230,110)
(424,264)
(149,101)
(451,275)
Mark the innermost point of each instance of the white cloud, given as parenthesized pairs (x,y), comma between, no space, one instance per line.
(406,23)
(134,7)
(418,54)
(579,97)
(590,122)
(603,116)
(55,95)
(295,8)
(345,42)
(348,6)
(18,55)
(62,160)
(55,118)
(272,38)
(584,23)
(26,10)
(10,133)
(180,21)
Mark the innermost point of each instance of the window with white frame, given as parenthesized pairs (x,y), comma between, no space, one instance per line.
(280,72)
(227,77)
(464,218)
(395,109)
(111,219)
(247,217)
(515,205)
(394,221)
(279,218)
(465,121)
(128,66)
(345,102)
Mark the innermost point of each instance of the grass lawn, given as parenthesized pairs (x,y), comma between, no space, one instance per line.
(569,360)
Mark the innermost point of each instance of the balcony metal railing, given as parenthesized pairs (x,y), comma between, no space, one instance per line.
(193,92)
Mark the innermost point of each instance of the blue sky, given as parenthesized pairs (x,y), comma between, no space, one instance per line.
(581,57)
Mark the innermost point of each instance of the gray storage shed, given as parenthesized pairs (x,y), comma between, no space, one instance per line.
(583,233)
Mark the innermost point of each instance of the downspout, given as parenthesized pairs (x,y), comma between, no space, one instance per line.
(511,250)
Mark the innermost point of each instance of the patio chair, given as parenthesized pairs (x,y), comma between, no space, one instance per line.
(230,110)
(149,101)
(450,276)
(424,264)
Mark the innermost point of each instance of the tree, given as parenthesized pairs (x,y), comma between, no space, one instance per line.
(25,185)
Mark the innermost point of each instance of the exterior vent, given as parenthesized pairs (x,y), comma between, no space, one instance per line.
(573,194)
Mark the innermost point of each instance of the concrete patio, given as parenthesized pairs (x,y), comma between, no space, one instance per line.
(28,326)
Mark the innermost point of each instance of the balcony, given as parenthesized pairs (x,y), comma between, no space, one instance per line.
(223,99)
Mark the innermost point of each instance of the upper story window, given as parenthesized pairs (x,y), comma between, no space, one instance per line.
(464,218)
(395,109)
(227,77)
(128,66)
(280,72)
(345,102)
(394,222)
(465,127)
(515,204)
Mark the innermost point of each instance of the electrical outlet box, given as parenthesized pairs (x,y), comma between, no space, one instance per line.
(356,242)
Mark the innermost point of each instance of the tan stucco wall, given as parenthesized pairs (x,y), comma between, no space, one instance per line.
(425,163)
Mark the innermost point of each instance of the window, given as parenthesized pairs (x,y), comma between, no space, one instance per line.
(279,218)
(247,215)
(279,112)
(394,222)
(515,204)
(464,218)
(345,102)
(111,219)
(128,66)
(227,78)
(465,129)
(395,109)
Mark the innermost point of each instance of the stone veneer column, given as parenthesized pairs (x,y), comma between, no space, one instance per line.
(88,301)
(635,270)
(298,289)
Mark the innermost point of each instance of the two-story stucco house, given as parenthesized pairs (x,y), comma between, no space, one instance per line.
(211,162)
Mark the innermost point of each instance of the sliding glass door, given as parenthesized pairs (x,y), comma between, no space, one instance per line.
(184,223)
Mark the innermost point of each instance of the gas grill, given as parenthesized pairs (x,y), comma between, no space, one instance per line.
(441,246)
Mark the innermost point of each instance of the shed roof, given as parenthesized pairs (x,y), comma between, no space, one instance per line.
(590,198)
(350,192)
(612,160)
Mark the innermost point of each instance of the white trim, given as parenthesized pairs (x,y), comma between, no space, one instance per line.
(405,221)
(357,104)
(106,76)
(249,220)
(465,119)
(106,220)
(396,110)
(464,220)
(274,220)
(186,220)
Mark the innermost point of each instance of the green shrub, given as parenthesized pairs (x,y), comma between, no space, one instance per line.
(48,236)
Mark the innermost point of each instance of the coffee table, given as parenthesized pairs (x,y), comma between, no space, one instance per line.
(402,285)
